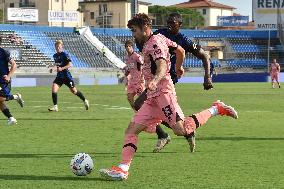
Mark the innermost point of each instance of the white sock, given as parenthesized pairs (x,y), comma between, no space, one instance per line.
(124,167)
(213,110)
(16,97)
(55,106)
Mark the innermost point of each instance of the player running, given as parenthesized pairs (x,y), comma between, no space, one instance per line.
(133,70)
(274,72)
(161,103)
(62,66)
(174,23)
(5,84)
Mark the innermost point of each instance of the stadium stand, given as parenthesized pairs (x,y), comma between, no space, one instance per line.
(40,43)
(35,46)
(242,49)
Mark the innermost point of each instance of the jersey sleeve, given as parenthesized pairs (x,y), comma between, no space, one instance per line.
(66,58)
(158,49)
(8,57)
(139,59)
(189,46)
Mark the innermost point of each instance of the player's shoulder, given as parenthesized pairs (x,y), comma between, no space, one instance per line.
(158,38)
(163,31)
(64,54)
(136,55)
(183,37)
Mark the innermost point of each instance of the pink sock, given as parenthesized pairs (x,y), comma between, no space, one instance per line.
(129,148)
(194,121)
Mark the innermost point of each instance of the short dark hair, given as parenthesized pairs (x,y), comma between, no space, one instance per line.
(175,17)
(129,43)
(140,20)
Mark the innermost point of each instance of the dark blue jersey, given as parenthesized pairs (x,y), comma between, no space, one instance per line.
(61,60)
(211,68)
(4,64)
(182,41)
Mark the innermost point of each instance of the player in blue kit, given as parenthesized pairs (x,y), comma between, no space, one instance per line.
(174,23)
(5,84)
(62,66)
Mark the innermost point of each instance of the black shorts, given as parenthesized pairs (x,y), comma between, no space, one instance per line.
(5,90)
(66,81)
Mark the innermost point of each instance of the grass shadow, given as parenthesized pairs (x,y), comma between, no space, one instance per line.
(241,138)
(47,178)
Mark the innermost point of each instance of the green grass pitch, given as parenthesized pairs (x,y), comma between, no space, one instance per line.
(243,153)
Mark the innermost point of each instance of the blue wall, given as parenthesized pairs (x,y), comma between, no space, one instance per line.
(241,77)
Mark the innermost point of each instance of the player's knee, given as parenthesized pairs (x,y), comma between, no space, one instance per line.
(179,133)
(179,130)
(129,129)
(73,90)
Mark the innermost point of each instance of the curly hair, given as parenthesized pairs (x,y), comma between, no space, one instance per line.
(140,20)
(129,43)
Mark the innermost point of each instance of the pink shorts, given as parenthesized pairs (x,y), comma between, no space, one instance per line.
(135,89)
(158,109)
(274,76)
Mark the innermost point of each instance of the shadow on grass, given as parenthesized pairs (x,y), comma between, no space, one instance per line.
(98,154)
(240,138)
(60,119)
(46,178)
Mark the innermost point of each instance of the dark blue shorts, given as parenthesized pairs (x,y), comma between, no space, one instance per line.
(5,90)
(66,81)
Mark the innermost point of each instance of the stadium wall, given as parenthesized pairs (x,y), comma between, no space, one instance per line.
(112,79)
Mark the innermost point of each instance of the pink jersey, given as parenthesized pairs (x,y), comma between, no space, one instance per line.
(155,48)
(134,66)
(275,67)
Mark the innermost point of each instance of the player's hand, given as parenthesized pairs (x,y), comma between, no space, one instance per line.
(207,83)
(6,78)
(179,72)
(152,86)
(59,69)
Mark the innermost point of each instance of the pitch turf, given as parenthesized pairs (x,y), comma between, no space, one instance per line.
(243,153)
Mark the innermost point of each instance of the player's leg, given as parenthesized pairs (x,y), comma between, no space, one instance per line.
(191,123)
(144,120)
(6,89)
(70,83)
(163,137)
(120,172)
(5,110)
(55,88)
(277,80)
(5,95)
(272,80)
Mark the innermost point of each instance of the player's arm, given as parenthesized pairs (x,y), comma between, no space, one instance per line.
(125,71)
(197,51)
(278,67)
(66,67)
(180,55)
(139,62)
(160,73)
(12,70)
(13,64)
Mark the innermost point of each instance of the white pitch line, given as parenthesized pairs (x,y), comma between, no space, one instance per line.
(258,111)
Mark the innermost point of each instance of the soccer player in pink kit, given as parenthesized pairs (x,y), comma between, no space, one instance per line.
(133,70)
(161,104)
(274,72)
